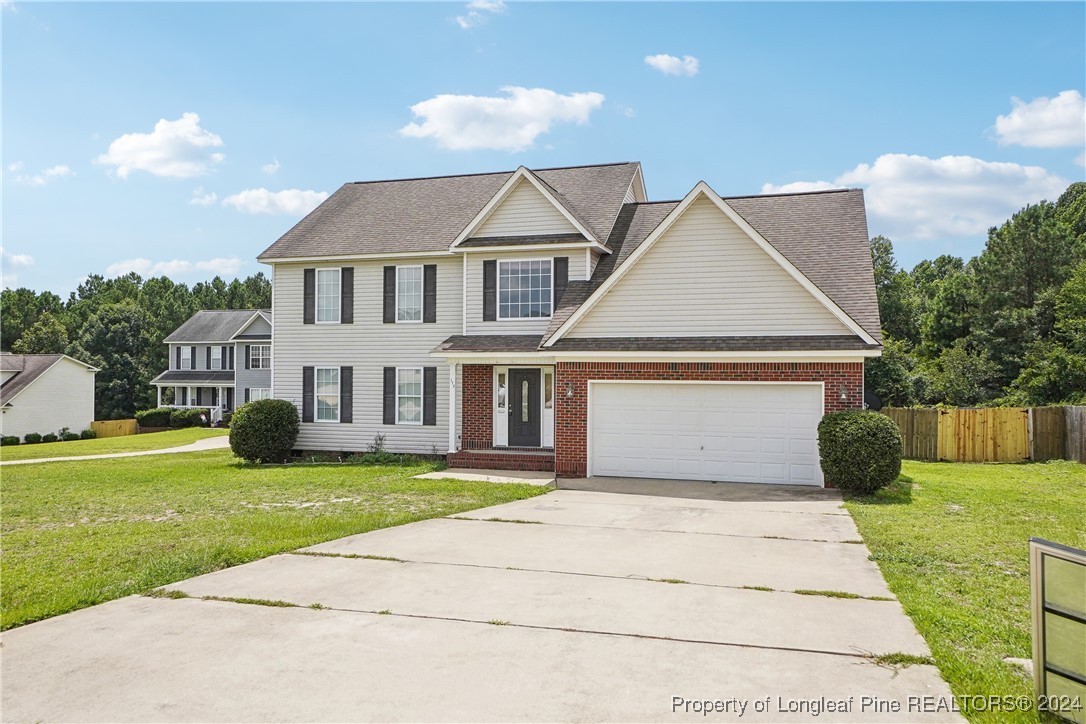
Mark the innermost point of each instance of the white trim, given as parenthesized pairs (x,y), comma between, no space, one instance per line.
(464,295)
(259,313)
(498,288)
(587,263)
(317,295)
(422,293)
(226,342)
(352,257)
(507,188)
(503,427)
(452,408)
(262,357)
(550,357)
(268,389)
(588,405)
(533,247)
(421,395)
(212,367)
(702,189)
(191,356)
(316,393)
(210,383)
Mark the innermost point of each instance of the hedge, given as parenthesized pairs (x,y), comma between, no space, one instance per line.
(32,438)
(157,417)
(860,450)
(190,417)
(9,440)
(50,437)
(264,431)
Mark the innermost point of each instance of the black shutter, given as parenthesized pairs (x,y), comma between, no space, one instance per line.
(199,395)
(207,358)
(307,394)
(192,358)
(346,394)
(184,395)
(429,395)
(231,355)
(390,396)
(429,293)
(561,279)
(247,348)
(178,358)
(246,394)
(490,290)
(309,296)
(346,295)
(390,295)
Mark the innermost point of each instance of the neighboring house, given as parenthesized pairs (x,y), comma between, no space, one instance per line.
(556,319)
(219,359)
(45,393)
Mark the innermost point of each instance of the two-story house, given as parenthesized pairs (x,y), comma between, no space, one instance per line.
(219,359)
(556,319)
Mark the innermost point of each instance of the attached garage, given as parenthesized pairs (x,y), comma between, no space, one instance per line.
(718,431)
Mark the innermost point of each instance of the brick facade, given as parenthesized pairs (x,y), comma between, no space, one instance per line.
(571,412)
(502,460)
(477,427)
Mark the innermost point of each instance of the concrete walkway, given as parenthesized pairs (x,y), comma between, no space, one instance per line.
(525,477)
(572,606)
(208,443)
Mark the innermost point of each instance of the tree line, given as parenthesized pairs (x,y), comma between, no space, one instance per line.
(1008,327)
(118,326)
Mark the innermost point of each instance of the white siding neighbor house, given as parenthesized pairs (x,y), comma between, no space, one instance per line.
(45,393)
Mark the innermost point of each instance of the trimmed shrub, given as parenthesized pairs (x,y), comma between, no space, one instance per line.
(860,450)
(190,417)
(32,438)
(226,418)
(157,417)
(9,440)
(264,431)
(69,436)
(88,434)
(50,437)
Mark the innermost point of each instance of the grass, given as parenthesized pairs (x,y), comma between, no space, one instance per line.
(79,533)
(104,445)
(952,540)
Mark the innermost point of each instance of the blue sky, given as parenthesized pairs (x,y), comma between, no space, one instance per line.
(263,108)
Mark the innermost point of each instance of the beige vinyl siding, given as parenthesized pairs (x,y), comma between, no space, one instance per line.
(706,277)
(524,212)
(630,197)
(593,260)
(62,396)
(474,298)
(369,345)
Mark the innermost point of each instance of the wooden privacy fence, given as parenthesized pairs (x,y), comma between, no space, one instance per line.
(996,434)
(114,428)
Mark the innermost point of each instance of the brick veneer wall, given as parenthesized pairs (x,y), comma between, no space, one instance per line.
(571,413)
(477,391)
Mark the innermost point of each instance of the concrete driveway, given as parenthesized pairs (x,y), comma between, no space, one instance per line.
(580,605)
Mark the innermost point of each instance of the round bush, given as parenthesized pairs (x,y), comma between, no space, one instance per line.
(860,450)
(32,438)
(9,440)
(50,437)
(88,434)
(264,431)
(69,436)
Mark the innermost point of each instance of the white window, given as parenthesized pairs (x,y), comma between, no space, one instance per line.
(409,396)
(409,294)
(216,357)
(327,392)
(328,295)
(524,289)
(259,393)
(186,358)
(260,357)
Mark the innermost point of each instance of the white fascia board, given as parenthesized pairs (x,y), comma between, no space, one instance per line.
(639,184)
(532,247)
(522,173)
(766,356)
(351,257)
(703,189)
(497,358)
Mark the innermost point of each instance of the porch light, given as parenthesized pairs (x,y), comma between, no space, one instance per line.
(569,389)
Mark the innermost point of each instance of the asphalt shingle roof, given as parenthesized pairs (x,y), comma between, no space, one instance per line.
(27,368)
(195,377)
(711,344)
(212,325)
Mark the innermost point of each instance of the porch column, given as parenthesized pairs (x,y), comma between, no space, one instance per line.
(452,407)
(158,389)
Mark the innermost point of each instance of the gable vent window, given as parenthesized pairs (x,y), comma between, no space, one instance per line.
(524,289)
(328,287)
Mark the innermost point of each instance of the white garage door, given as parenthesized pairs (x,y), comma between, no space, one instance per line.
(742,433)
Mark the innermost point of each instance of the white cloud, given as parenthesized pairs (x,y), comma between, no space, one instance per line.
(672,65)
(465,123)
(43,178)
(218,266)
(1044,122)
(478,11)
(202,198)
(1081,160)
(175,149)
(289,201)
(916,197)
(271,168)
(15,261)
(16,166)
(9,5)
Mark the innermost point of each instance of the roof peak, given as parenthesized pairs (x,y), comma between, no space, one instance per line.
(489,173)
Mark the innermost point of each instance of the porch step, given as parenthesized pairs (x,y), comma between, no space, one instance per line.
(503,459)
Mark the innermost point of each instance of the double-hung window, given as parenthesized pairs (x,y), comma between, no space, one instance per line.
(524,289)
(260,357)
(409,294)
(216,357)
(327,394)
(328,291)
(186,358)
(409,396)
(259,393)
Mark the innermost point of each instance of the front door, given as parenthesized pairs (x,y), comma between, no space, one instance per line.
(524,418)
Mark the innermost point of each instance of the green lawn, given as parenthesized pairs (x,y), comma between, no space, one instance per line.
(100,446)
(952,540)
(79,533)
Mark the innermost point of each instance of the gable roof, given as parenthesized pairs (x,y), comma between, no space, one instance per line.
(428,214)
(27,368)
(213,325)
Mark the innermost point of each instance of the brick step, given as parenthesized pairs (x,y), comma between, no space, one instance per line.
(498,459)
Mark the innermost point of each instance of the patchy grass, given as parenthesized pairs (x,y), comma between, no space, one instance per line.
(676,581)
(756,588)
(903,660)
(105,445)
(79,533)
(952,540)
